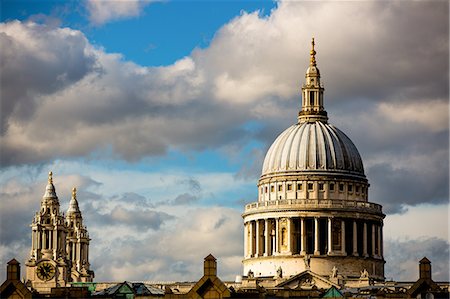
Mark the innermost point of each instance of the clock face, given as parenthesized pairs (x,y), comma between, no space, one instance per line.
(45,271)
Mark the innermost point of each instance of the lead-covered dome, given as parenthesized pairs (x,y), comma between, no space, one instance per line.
(313,146)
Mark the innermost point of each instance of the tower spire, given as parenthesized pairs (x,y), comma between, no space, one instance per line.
(50,192)
(312,93)
(313,54)
(73,204)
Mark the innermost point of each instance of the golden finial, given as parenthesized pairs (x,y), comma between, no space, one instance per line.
(74,193)
(50,177)
(313,53)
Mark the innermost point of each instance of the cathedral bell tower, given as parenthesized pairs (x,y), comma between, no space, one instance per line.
(48,265)
(77,243)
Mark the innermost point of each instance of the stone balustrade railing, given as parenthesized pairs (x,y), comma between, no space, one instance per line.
(311,204)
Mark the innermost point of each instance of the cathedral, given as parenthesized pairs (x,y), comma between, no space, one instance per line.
(59,244)
(312,233)
(313,211)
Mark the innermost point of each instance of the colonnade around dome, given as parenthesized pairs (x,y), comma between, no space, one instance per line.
(313,235)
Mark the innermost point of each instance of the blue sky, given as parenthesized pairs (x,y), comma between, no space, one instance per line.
(164,31)
(163,111)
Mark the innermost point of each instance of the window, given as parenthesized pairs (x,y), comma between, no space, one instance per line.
(331,187)
(321,186)
(357,189)
(341,187)
(350,188)
(310,186)
(311,98)
(289,187)
(280,187)
(272,188)
(299,186)
(265,189)
(363,190)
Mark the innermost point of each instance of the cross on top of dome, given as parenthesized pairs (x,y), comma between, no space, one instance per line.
(313,53)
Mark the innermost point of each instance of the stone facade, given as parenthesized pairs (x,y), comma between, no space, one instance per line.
(313,211)
(59,245)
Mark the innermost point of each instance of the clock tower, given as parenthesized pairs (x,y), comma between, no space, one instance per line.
(47,266)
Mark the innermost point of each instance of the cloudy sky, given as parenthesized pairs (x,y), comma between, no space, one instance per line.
(160,113)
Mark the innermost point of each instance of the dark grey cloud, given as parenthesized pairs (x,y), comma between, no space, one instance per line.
(141,219)
(403,256)
(33,70)
(397,188)
(135,199)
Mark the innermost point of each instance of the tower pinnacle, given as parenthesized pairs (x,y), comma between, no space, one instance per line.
(50,192)
(73,204)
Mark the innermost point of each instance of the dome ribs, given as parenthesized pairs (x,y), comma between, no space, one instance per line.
(330,150)
(313,146)
(311,151)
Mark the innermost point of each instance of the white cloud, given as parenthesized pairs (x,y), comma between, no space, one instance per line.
(103,11)
(434,222)
(93,104)
(432,114)
(402,257)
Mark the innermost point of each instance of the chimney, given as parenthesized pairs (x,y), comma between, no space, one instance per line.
(13,270)
(210,266)
(425,269)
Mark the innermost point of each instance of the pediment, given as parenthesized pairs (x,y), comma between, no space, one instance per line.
(307,280)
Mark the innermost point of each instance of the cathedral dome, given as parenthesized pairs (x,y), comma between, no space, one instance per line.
(313,212)
(311,147)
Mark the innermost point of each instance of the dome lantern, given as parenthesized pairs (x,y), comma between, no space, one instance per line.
(312,212)
(312,93)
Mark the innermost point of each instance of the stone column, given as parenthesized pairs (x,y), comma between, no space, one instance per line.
(343,249)
(266,236)
(355,238)
(78,255)
(289,235)
(379,241)
(55,243)
(251,241)
(39,240)
(302,236)
(330,236)
(373,240)
(33,242)
(246,239)
(365,240)
(44,239)
(277,236)
(257,235)
(316,236)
